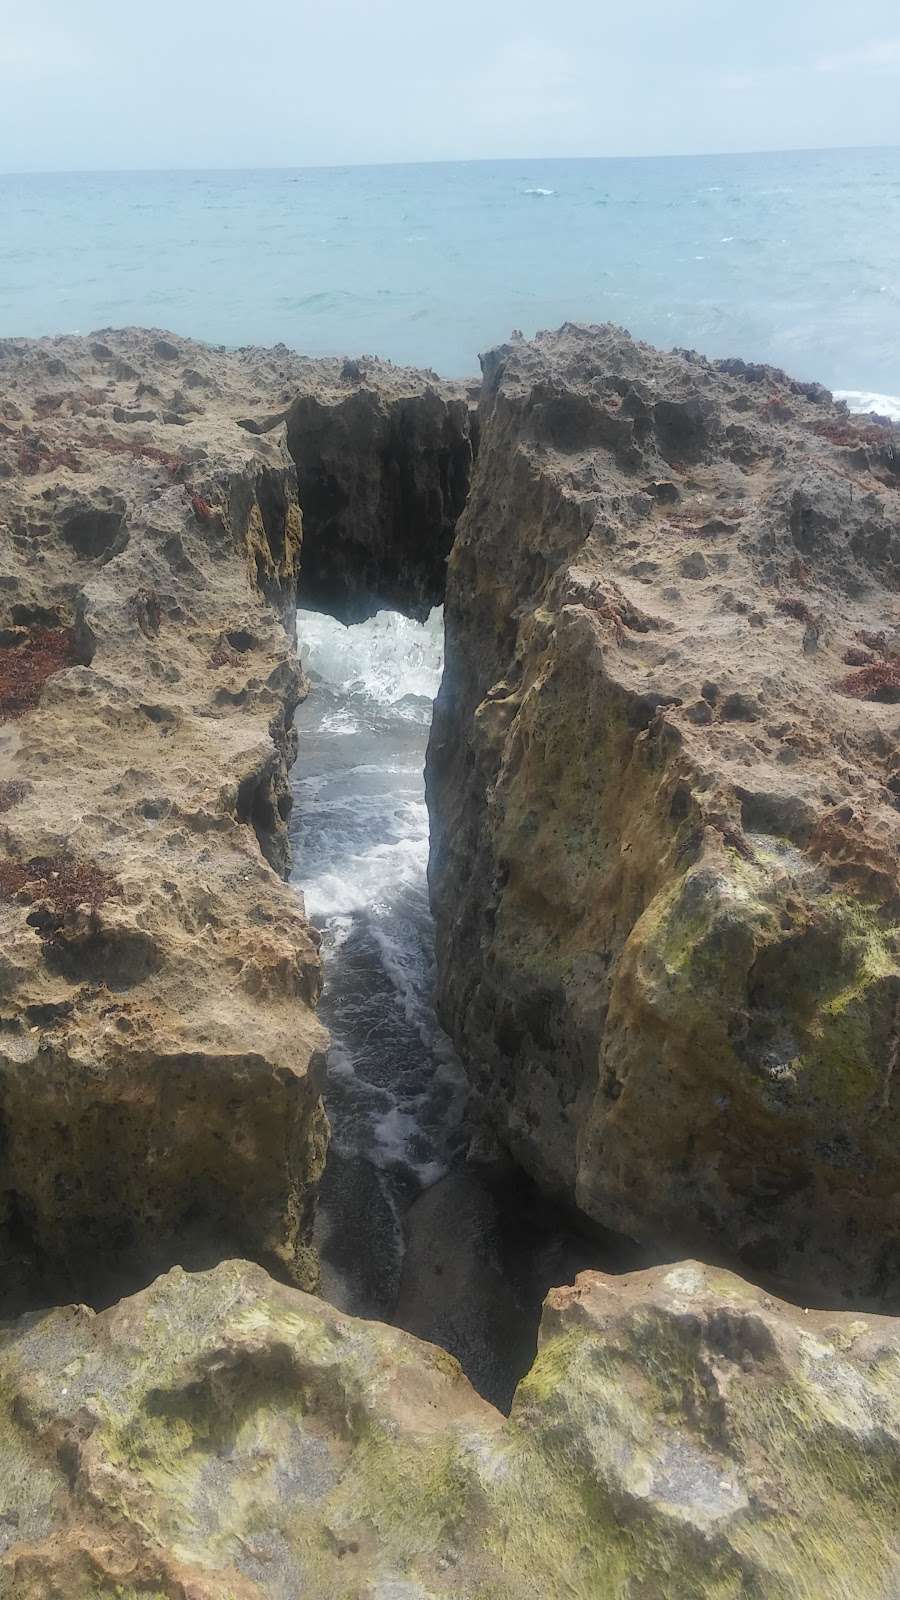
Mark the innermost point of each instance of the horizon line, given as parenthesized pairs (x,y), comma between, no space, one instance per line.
(440,161)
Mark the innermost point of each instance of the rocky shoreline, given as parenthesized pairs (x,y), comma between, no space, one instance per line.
(664,872)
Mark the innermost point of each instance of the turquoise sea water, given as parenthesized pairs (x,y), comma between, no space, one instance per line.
(791,258)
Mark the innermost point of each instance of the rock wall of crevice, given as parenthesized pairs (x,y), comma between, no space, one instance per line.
(662,778)
(159,1051)
(384,459)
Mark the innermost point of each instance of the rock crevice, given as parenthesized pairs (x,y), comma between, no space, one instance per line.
(663,783)
(384,459)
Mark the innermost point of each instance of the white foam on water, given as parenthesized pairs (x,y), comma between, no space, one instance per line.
(539,191)
(366,880)
(386,660)
(862,400)
(395,1090)
(340,722)
(394,1132)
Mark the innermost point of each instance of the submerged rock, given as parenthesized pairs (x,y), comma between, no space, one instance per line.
(221,1435)
(664,839)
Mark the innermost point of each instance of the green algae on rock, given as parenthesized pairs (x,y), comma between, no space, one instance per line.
(665,860)
(223,1435)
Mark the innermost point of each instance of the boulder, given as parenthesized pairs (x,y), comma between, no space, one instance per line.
(223,1437)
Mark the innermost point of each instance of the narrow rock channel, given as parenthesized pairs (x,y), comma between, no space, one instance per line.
(459,1251)
(359,829)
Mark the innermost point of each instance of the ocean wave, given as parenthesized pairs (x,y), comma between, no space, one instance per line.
(538,191)
(389,660)
(366,880)
(886,405)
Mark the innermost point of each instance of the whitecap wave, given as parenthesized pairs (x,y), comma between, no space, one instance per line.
(387,660)
(886,405)
(367,880)
(539,191)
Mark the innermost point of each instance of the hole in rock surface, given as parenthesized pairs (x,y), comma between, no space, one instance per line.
(408,1229)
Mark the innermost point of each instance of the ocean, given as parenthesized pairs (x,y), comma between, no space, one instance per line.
(790,258)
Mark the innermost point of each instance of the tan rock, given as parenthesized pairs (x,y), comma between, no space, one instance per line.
(664,826)
(159,1054)
(157,1058)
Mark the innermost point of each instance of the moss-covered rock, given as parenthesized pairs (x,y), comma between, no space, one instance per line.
(222,1435)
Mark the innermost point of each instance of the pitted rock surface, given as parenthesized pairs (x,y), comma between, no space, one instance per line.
(159,1053)
(221,1435)
(158,1077)
(663,779)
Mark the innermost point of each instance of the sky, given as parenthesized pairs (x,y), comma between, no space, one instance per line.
(92,84)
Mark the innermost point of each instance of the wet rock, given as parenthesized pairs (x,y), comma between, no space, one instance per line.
(383,470)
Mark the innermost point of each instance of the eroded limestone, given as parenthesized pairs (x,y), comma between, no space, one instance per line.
(664,823)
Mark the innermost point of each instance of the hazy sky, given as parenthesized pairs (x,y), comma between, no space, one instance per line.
(111,83)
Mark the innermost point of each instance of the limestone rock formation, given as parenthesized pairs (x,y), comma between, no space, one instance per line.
(663,780)
(664,784)
(223,1437)
(384,459)
(159,1054)
(158,1051)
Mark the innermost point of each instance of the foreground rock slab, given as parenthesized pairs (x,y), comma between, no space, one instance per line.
(663,783)
(223,1437)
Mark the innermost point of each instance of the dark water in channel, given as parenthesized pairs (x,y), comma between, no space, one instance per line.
(459,1253)
(359,830)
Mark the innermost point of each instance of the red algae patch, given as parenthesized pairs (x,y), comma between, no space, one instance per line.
(137,451)
(25,667)
(848,433)
(881,681)
(35,458)
(58,882)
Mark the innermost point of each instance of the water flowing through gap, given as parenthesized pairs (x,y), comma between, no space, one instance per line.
(464,1262)
(359,830)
